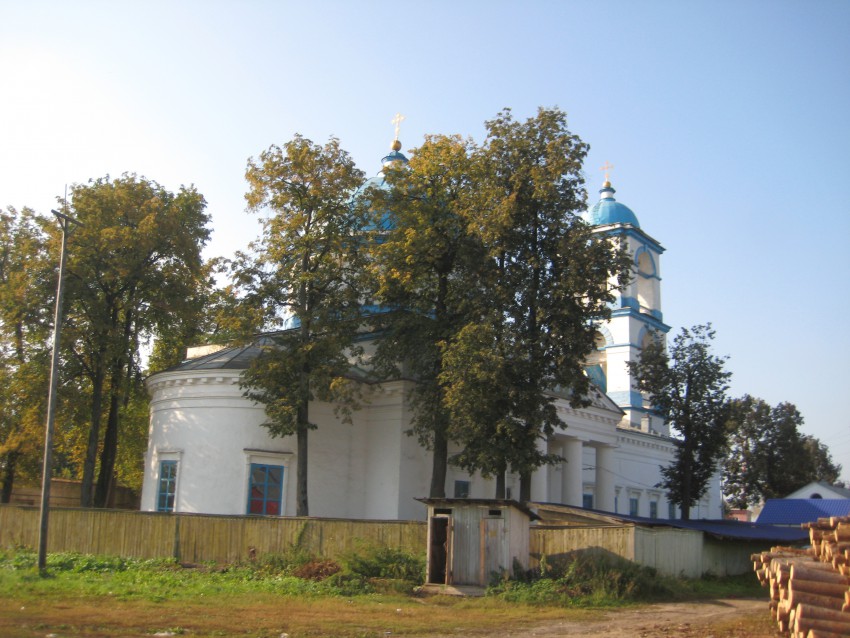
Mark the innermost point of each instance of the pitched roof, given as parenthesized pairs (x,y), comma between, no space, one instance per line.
(819,489)
(795,511)
(553,513)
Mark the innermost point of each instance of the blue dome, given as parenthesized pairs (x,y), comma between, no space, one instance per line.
(609,211)
(380,181)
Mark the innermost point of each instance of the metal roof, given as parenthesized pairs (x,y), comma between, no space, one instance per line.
(733,530)
(795,511)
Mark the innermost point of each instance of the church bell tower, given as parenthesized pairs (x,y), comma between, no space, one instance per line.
(636,311)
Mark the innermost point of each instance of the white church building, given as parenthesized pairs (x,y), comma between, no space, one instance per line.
(209,453)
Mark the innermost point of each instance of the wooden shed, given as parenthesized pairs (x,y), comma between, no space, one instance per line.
(471,540)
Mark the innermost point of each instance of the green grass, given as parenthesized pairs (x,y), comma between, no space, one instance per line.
(584,581)
(363,594)
(593,580)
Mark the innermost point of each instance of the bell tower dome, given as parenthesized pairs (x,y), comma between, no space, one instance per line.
(636,311)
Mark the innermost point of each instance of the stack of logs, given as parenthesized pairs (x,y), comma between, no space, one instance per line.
(810,588)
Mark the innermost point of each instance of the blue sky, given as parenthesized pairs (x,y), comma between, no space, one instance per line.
(726,122)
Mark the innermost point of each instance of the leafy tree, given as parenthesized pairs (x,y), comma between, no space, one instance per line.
(134,269)
(425,267)
(305,267)
(768,455)
(27,284)
(687,388)
(820,461)
(209,312)
(547,279)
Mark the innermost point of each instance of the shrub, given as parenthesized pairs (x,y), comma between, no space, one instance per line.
(384,562)
(585,578)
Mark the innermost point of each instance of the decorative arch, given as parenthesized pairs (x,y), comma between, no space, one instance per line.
(645,336)
(645,262)
(606,335)
(596,365)
(646,280)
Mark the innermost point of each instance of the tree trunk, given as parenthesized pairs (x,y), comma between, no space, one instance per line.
(117,389)
(525,486)
(10,465)
(439,466)
(302,506)
(110,448)
(86,489)
(500,483)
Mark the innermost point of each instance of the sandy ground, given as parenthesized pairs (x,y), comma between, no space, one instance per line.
(690,620)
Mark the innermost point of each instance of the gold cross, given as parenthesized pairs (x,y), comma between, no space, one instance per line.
(607,168)
(397,120)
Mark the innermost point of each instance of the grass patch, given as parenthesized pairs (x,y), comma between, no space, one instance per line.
(593,579)
(367,593)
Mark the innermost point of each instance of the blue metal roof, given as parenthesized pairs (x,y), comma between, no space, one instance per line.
(745,531)
(730,529)
(609,211)
(796,511)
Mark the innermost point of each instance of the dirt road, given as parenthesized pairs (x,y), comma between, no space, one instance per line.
(711,619)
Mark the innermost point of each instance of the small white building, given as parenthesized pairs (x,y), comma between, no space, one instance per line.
(819,489)
(471,541)
(208,452)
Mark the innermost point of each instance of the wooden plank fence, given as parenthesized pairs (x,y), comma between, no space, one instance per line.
(196,538)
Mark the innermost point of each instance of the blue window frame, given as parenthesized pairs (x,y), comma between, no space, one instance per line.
(653,509)
(461,489)
(265,489)
(167,486)
(634,506)
(587,501)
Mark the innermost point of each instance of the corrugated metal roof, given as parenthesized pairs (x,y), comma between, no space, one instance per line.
(795,511)
(735,530)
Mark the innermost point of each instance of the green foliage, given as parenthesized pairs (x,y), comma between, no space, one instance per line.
(426,267)
(384,562)
(134,268)
(379,569)
(547,280)
(209,317)
(306,267)
(768,456)
(587,578)
(27,286)
(687,388)
(295,573)
(495,284)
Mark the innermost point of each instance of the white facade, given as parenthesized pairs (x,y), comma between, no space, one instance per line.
(371,469)
(208,452)
(818,489)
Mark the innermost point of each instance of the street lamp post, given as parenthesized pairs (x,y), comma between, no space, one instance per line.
(65,222)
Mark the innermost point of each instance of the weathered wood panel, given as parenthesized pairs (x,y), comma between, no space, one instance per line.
(198,538)
(555,542)
(674,552)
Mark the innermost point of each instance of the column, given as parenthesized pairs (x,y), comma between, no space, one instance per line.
(540,478)
(571,475)
(604,478)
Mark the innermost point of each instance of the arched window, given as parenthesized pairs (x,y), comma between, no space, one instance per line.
(647,281)
(597,363)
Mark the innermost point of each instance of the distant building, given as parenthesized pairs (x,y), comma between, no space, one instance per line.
(819,489)
(208,452)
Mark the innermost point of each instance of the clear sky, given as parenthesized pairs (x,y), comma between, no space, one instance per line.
(726,122)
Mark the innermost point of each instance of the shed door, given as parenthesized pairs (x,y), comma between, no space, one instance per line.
(492,548)
(440,551)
